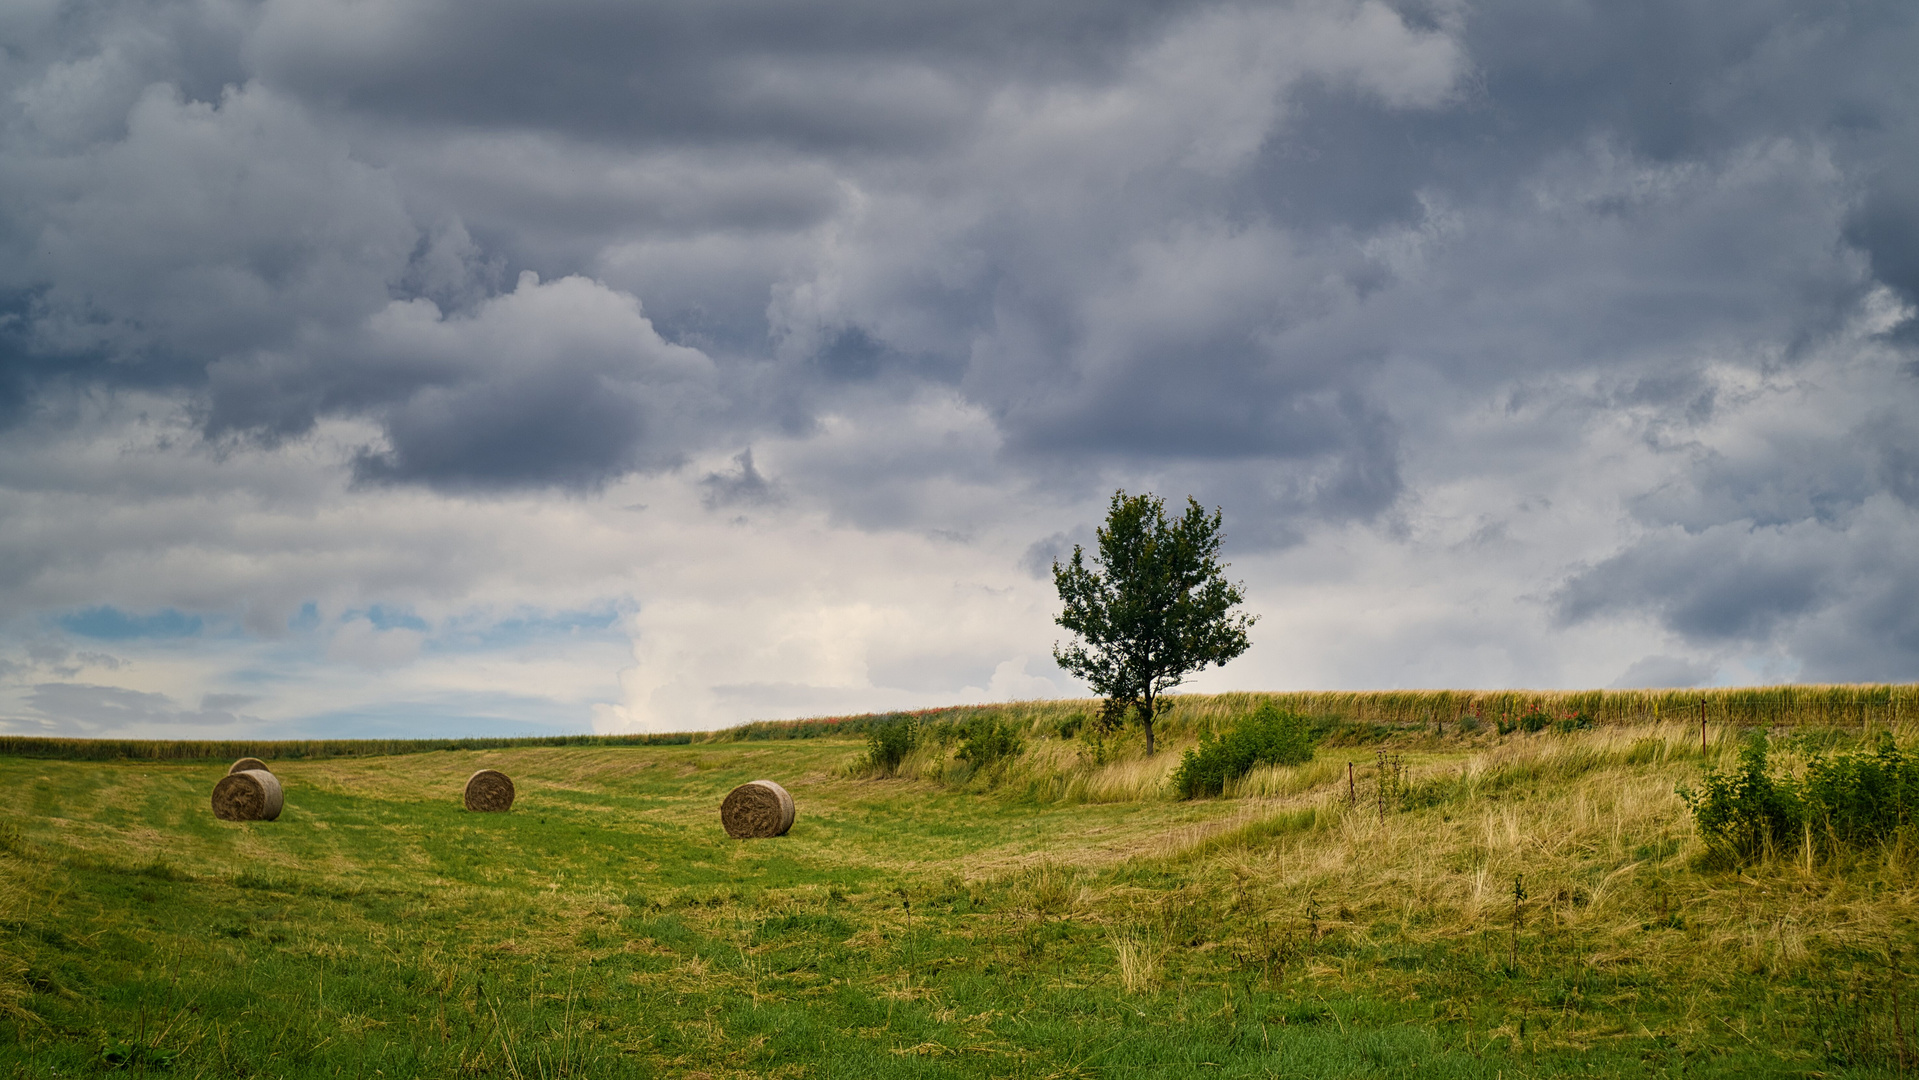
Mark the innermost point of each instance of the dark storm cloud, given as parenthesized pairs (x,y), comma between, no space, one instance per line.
(1730,583)
(841,76)
(1842,600)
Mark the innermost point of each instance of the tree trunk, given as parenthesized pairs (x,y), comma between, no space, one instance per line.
(1146,721)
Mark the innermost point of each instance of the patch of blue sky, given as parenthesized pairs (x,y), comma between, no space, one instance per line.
(450,717)
(386,618)
(112,624)
(526,627)
(306,620)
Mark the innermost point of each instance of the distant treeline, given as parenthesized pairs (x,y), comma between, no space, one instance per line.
(28,746)
(1768,706)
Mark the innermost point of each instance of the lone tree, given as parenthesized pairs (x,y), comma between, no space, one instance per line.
(1154,608)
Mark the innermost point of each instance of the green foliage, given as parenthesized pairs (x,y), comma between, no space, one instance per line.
(1854,799)
(1268,737)
(1580,721)
(1154,607)
(888,744)
(1861,798)
(987,740)
(1538,720)
(1744,811)
(819,727)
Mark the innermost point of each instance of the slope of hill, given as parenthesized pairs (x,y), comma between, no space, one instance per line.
(1503,905)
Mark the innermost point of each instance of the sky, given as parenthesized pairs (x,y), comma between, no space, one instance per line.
(413,367)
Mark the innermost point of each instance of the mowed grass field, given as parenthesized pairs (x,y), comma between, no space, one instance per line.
(607,927)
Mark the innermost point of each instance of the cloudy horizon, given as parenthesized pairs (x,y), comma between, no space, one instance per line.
(397,367)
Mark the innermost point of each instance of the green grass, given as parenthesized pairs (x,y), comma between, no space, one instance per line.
(945,924)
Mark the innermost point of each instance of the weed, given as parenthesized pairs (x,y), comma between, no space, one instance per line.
(1519,899)
(888,744)
(1848,800)
(1268,737)
(988,741)
(1137,956)
(1572,722)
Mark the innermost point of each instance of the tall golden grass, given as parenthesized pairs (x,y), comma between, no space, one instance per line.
(1849,703)
(1841,704)
(1592,825)
(1059,767)
(1188,715)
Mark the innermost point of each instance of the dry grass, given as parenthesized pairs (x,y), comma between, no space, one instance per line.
(1058,768)
(925,905)
(1136,958)
(20,881)
(1285,781)
(1604,846)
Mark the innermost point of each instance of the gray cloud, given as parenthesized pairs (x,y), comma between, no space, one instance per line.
(79,709)
(1330,265)
(1664,671)
(743,486)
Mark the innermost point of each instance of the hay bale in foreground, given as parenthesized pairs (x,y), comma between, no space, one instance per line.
(489,791)
(759,809)
(246,764)
(250,795)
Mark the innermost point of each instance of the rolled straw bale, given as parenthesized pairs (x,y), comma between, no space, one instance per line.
(246,763)
(489,790)
(251,795)
(759,809)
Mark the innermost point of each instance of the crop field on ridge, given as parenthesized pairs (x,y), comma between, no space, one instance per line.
(1524,905)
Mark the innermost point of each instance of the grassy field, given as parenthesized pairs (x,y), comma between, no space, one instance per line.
(1059,917)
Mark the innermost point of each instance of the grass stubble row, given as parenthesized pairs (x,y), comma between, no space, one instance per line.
(1548,908)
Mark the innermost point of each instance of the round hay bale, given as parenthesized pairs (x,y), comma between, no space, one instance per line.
(250,795)
(759,809)
(246,764)
(489,791)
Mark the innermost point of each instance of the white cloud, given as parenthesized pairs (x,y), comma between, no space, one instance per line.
(360,643)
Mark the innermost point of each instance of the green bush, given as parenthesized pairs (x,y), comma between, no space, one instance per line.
(1863,798)
(888,744)
(1534,721)
(1852,799)
(986,740)
(1743,811)
(1268,737)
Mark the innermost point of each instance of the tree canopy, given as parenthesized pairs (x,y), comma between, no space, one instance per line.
(1153,608)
